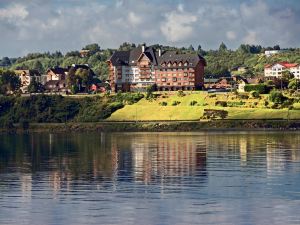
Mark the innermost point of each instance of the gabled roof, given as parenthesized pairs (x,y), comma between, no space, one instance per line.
(173,56)
(58,70)
(284,64)
(130,58)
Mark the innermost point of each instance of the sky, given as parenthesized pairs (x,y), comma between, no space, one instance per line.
(49,25)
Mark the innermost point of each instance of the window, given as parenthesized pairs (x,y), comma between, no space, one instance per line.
(174,79)
(163,79)
(185,74)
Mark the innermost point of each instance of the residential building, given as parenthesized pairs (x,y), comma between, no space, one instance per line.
(144,66)
(57,78)
(269,53)
(26,77)
(276,69)
(57,73)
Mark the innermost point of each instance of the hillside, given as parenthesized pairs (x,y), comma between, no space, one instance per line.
(219,62)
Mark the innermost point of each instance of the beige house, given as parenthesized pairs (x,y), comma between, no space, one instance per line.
(26,77)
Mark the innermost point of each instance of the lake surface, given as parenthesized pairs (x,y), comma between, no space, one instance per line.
(150,178)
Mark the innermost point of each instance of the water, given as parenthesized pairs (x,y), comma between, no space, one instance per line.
(150,178)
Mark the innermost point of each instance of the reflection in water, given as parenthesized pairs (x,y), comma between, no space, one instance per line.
(161,178)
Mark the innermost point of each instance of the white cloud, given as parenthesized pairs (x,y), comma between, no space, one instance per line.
(250,38)
(68,25)
(134,19)
(14,12)
(231,35)
(178,26)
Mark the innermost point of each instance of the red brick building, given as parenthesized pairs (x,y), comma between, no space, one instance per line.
(144,66)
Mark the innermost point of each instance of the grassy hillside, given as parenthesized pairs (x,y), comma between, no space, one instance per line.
(237,107)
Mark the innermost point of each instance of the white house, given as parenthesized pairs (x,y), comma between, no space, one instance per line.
(276,69)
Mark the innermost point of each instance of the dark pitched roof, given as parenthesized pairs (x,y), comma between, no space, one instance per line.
(125,58)
(58,70)
(173,56)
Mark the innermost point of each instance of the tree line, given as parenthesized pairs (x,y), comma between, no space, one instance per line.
(220,62)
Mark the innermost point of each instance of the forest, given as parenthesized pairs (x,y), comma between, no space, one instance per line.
(220,63)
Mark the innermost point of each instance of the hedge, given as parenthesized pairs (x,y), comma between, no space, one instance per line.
(260,88)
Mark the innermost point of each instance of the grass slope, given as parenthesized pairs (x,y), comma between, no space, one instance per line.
(152,110)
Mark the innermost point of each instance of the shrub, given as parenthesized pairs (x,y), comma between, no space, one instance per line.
(214,114)
(243,96)
(212,95)
(221,103)
(254,94)
(174,103)
(192,103)
(180,93)
(235,104)
(277,97)
(163,103)
(260,88)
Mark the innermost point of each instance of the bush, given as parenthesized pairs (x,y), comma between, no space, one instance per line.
(260,88)
(243,96)
(277,97)
(235,104)
(221,103)
(254,94)
(180,93)
(163,103)
(214,114)
(174,103)
(192,103)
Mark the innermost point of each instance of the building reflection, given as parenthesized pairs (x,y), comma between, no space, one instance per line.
(159,158)
(105,160)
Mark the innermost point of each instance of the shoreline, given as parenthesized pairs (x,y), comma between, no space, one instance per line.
(157,126)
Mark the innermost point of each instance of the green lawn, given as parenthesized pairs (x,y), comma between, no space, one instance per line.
(152,110)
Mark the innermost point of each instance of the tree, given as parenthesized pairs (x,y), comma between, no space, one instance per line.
(35,86)
(85,77)
(37,65)
(287,75)
(223,47)
(93,48)
(5,62)
(191,48)
(276,97)
(9,81)
(294,84)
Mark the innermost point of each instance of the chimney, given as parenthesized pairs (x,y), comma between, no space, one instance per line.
(159,52)
(143,48)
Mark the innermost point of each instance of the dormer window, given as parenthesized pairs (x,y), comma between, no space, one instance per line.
(163,64)
(180,64)
(186,63)
(174,64)
(169,64)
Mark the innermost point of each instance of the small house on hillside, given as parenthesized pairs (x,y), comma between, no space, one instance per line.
(57,86)
(57,73)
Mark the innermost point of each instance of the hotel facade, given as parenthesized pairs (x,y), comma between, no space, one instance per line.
(143,66)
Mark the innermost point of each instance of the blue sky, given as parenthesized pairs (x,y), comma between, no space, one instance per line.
(50,25)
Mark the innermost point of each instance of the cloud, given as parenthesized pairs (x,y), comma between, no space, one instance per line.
(231,35)
(178,25)
(13,12)
(70,24)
